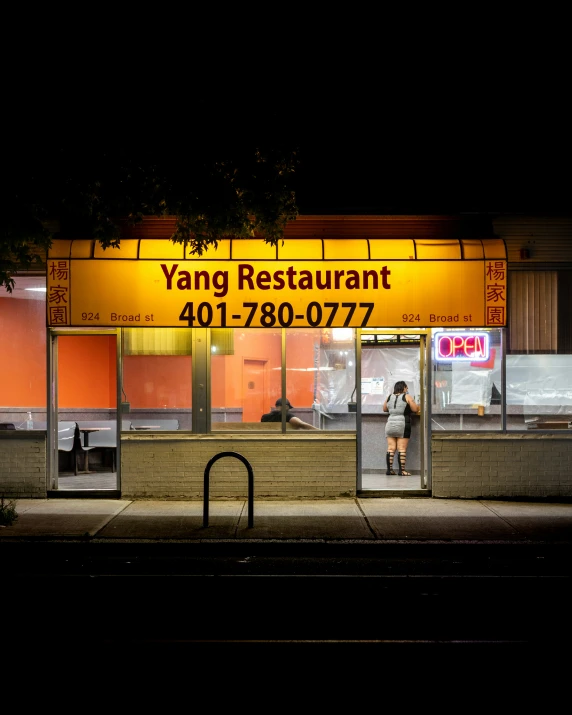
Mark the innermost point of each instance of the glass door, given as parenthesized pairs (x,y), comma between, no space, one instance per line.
(84,434)
(385,359)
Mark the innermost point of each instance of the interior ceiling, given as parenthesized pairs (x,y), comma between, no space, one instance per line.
(22,283)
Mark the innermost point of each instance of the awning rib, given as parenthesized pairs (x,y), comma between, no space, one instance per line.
(414,249)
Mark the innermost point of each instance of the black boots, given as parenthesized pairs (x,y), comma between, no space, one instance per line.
(402,458)
(389,461)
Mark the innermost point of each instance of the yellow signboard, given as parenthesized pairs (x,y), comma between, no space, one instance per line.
(272,294)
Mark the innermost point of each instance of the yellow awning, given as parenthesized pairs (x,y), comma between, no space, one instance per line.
(310,282)
(431,249)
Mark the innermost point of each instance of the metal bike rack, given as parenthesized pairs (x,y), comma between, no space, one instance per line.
(250,486)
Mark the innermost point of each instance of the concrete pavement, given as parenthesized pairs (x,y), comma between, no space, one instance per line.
(340,520)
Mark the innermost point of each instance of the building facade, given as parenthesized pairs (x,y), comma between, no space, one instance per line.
(140,365)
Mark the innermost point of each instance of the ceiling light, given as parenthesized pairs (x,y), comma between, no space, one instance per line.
(342,334)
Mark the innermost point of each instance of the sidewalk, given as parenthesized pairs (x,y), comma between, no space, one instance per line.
(340,520)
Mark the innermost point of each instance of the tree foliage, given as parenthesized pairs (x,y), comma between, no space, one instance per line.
(70,185)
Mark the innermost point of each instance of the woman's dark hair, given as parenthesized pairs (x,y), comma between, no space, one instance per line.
(399,387)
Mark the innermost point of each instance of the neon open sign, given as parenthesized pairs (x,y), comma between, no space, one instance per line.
(462,346)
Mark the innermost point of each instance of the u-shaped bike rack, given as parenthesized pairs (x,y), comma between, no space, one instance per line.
(250,486)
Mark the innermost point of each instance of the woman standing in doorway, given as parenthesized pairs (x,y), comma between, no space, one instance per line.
(400,406)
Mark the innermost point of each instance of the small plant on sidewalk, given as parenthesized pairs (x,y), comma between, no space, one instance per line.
(8,514)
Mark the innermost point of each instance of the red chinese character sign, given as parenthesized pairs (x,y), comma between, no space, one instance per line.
(495,293)
(58,294)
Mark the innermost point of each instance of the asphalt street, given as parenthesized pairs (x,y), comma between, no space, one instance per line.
(118,579)
(140,593)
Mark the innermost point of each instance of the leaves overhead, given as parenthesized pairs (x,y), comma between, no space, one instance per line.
(216,182)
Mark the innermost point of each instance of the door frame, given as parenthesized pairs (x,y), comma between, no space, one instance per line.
(52,397)
(424,382)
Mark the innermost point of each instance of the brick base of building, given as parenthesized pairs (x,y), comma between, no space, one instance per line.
(306,466)
(496,466)
(23,466)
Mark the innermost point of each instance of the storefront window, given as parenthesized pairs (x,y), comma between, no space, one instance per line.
(157,377)
(246,381)
(23,355)
(539,359)
(246,376)
(328,356)
(539,391)
(320,376)
(466,392)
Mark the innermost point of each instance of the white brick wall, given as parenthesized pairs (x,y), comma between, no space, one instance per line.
(464,465)
(284,467)
(473,466)
(23,466)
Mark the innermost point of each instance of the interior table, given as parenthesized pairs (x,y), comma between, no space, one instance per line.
(86,431)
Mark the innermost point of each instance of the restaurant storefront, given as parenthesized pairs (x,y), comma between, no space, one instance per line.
(141,364)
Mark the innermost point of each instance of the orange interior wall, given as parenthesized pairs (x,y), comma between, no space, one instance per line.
(226,389)
(219,388)
(152,381)
(87,373)
(87,368)
(23,381)
(257,346)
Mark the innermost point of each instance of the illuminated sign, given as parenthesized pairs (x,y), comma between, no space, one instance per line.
(272,294)
(472,347)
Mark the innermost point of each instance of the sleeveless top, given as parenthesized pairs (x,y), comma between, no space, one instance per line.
(399,415)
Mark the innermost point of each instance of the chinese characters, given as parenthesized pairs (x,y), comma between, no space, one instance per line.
(495,292)
(58,293)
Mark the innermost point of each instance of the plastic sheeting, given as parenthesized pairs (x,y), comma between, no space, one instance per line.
(542,383)
(471,386)
(381,368)
(539,383)
(336,378)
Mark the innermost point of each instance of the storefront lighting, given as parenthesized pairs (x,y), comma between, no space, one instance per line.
(342,335)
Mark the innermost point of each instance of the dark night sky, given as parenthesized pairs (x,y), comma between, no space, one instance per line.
(469,154)
(432,114)
(481,164)
(475,151)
